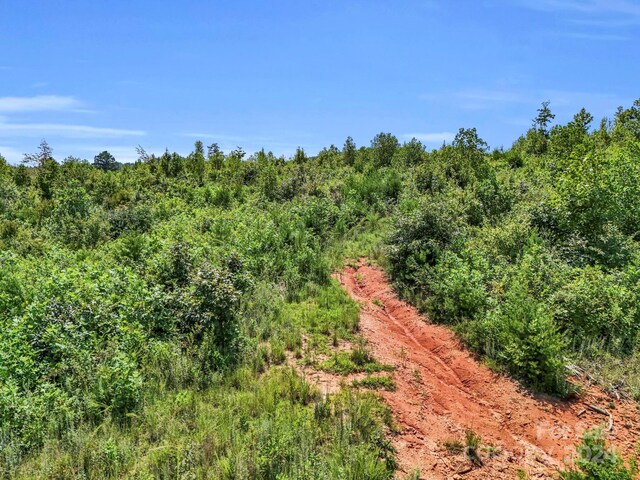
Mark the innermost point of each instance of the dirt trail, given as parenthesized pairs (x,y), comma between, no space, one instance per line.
(442,391)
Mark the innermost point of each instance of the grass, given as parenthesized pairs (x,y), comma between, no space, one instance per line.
(259,420)
(453,446)
(615,374)
(343,363)
(472,447)
(268,429)
(376,383)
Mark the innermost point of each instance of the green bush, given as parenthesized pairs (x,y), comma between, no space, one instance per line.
(598,308)
(457,289)
(596,462)
(521,336)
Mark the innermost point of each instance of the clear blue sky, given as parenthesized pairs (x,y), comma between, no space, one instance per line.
(94,75)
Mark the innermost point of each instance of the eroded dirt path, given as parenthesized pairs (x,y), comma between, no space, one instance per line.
(442,391)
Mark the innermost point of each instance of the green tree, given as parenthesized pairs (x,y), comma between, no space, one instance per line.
(300,157)
(384,146)
(536,140)
(563,140)
(195,164)
(46,168)
(627,122)
(412,152)
(349,151)
(215,156)
(38,159)
(105,161)
(544,118)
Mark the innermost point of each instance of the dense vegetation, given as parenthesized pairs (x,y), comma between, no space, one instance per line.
(531,253)
(148,311)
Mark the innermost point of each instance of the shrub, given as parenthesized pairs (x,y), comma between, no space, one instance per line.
(596,307)
(376,383)
(521,336)
(595,462)
(421,236)
(457,289)
(118,386)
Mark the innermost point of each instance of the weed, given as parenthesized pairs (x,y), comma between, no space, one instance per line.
(341,362)
(278,355)
(453,446)
(472,446)
(376,383)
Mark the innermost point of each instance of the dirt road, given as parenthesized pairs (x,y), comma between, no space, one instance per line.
(443,391)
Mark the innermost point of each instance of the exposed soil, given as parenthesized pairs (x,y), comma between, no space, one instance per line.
(443,391)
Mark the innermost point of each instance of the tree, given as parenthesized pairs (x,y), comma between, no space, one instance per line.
(542,121)
(536,140)
(198,148)
(384,146)
(45,152)
(627,122)
(300,157)
(171,164)
(349,151)
(238,153)
(195,162)
(215,156)
(412,152)
(563,140)
(105,161)
(143,156)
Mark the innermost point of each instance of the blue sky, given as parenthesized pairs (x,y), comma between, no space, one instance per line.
(94,75)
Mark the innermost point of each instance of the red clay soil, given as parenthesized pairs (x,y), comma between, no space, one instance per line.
(443,391)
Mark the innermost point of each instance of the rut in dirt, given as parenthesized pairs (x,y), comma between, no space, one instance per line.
(443,392)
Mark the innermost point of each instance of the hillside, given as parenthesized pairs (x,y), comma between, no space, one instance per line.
(158,317)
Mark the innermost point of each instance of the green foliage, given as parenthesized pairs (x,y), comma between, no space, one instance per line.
(601,308)
(142,307)
(421,235)
(525,249)
(145,311)
(457,289)
(383,147)
(522,336)
(355,362)
(376,383)
(349,151)
(472,447)
(105,161)
(595,462)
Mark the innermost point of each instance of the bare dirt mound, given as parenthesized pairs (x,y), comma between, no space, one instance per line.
(442,391)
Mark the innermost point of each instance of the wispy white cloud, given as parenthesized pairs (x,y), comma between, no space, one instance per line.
(599,37)
(223,137)
(623,7)
(64,130)
(430,137)
(480,99)
(39,103)
(600,13)
(489,99)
